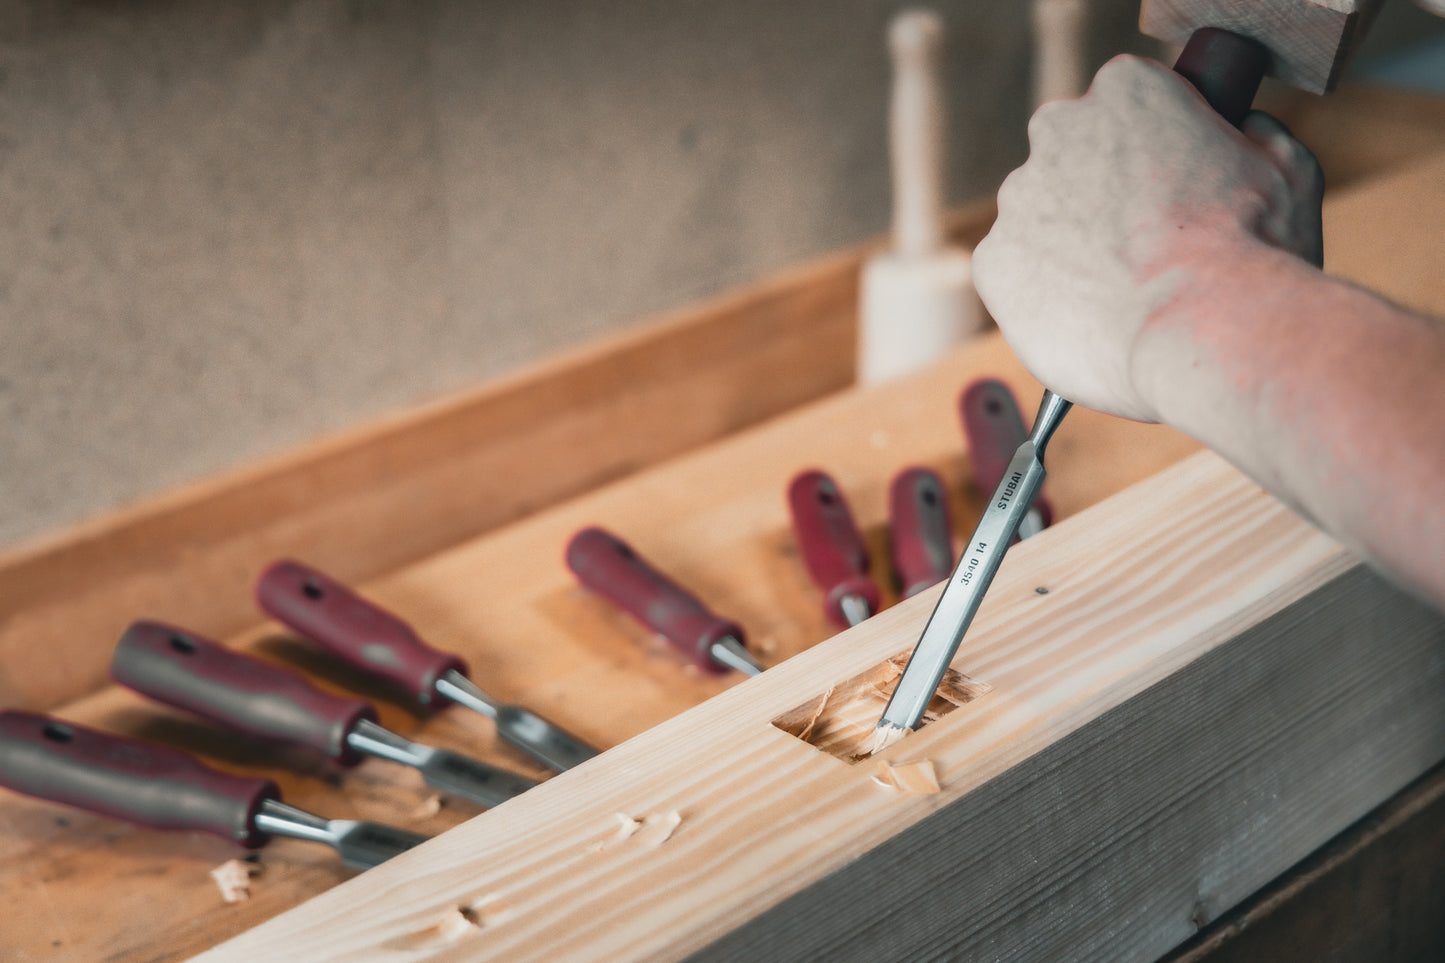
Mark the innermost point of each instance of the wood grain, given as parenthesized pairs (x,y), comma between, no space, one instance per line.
(1310,40)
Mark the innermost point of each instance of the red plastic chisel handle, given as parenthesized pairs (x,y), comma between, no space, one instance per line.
(365,635)
(833,549)
(608,566)
(918,530)
(184,670)
(994,428)
(138,782)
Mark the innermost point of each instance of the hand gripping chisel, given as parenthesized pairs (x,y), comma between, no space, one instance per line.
(1226,69)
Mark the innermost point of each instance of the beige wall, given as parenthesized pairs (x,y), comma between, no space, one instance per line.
(226,228)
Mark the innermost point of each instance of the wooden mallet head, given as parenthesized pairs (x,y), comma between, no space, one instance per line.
(1308,40)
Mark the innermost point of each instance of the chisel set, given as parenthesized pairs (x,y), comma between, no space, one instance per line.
(165,788)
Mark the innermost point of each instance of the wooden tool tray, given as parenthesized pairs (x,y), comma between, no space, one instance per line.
(1180,689)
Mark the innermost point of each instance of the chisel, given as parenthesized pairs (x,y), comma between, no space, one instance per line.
(994,429)
(918,530)
(162,788)
(377,642)
(182,669)
(833,549)
(1226,69)
(608,566)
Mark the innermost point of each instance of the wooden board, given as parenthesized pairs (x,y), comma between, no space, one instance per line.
(1373,895)
(1155,738)
(1310,41)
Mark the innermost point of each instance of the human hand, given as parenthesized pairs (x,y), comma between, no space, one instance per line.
(1108,236)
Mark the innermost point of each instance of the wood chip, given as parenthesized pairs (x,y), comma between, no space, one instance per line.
(916,778)
(651,830)
(626,826)
(657,828)
(958,688)
(429,807)
(454,925)
(233,879)
(807,730)
(880,738)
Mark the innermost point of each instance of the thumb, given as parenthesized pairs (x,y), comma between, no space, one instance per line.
(1304,180)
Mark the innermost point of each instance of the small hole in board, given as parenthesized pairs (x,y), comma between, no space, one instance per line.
(841,721)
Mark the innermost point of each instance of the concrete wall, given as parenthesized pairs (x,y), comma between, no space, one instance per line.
(229,227)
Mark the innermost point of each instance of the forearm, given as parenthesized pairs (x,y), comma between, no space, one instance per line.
(1327,395)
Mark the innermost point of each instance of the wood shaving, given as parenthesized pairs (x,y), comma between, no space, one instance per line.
(915,778)
(958,688)
(451,927)
(488,911)
(626,826)
(651,830)
(880,738)
(657,828)
(429,807)
(233,879)
(455,924)
(807,730)
(955,687)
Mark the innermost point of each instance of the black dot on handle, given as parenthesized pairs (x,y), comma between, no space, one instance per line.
(993,406)
(56,732)
(311,590)
(183,645)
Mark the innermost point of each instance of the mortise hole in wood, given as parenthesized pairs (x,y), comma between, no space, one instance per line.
(841,720)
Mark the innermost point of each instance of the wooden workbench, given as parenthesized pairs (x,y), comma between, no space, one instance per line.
(83,887)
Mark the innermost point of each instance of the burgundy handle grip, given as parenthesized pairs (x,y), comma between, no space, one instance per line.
(833,549)
(260,699)
(994,428)
(1225,68)
(919,531)
(608,566)
(127,779)
(365,635)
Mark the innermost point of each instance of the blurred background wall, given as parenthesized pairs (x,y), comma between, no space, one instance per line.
(229,227)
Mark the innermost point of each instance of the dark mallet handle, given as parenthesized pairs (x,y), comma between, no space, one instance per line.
(1226,68)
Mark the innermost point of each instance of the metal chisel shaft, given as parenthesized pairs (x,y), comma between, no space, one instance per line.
(971,578)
